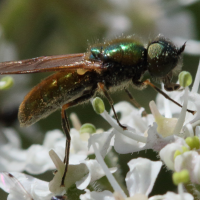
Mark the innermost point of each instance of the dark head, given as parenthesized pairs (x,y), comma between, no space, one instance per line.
(163,57)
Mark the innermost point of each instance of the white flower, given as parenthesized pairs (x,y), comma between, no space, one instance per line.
(130,140)
(11,152)
(169,109)
(35,159)
(142,175)
(139,180)
(21,186)
(165,125)
(132,117)
(81,174)
(171,195)
(167,153)
(191,161)
(130,143)
(164,17)
(105,195)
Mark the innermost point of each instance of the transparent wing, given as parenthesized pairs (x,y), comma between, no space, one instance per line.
(47,64)
(12,185)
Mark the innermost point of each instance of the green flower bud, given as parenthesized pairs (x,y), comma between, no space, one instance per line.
(98,105)
(185,79)
(6,83)
(88,128)
(193,142)
(177,153)
(185,149)
(181,177)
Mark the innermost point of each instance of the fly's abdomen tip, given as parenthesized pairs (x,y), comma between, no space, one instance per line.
(24,122)
(25,119)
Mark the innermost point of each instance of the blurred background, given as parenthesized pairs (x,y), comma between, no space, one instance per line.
(48,27)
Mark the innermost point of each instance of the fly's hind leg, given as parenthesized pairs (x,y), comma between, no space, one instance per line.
(103,88)
(66,128)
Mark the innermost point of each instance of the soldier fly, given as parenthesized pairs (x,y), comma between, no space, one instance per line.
(104,68)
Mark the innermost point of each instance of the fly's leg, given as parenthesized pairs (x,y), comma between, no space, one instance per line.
(135,103)
(66,128)
(147,82)
(103,88)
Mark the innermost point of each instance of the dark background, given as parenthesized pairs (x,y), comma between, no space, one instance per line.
(48,27)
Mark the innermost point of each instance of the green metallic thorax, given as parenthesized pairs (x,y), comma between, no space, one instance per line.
(125,51)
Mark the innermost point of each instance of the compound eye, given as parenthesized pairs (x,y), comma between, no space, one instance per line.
(162,57)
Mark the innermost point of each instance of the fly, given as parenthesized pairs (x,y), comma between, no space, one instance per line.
(104,68)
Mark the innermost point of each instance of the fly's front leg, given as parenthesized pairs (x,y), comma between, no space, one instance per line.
(103,88)
(135,103)
(147,82)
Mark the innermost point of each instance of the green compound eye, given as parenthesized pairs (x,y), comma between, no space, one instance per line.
(162,56)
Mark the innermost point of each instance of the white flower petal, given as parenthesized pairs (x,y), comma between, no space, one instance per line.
(105,195)
(195,86)
(197,131)
(10,184)
(164,104)
(51,137)
(191,161)
(131,116)
(125,108)
(77,143)
(74,173)
(124,144)
(21,186)
(38,160)
(167,154)
(165,125)
(103,140)
(40,190)
(172,195)
(11,136)
(95,173)
(195,98)
(35,159)
(155,141)
(142,175)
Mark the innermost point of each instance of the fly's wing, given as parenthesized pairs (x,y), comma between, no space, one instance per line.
(12,185)
(48,64)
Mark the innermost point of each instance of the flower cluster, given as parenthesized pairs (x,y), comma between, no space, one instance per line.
(173,138)
(171,131)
